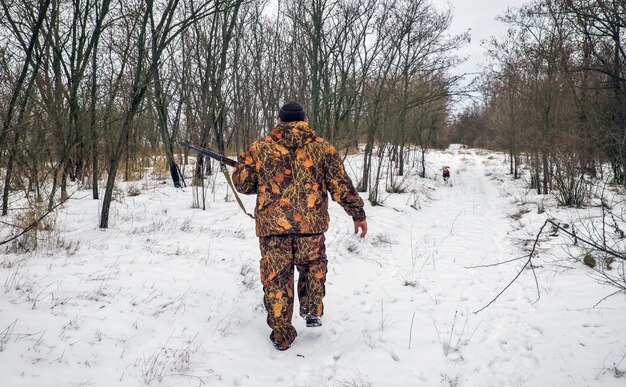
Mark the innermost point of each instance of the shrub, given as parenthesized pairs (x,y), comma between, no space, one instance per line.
(571,189)
(589,260)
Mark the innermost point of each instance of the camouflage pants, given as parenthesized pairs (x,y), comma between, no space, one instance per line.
(279,255)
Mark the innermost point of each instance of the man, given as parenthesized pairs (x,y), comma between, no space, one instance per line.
(291,170)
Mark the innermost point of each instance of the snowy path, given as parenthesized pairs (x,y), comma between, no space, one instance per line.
(495,345)
(465,226)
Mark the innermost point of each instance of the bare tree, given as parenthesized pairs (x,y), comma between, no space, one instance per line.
(167,30)
(601,24)
(21,92)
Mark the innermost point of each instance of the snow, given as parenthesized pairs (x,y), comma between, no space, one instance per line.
(169,295)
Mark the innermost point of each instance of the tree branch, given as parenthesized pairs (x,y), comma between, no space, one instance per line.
(528,262)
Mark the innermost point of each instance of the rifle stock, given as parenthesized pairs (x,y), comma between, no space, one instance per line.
(206,152)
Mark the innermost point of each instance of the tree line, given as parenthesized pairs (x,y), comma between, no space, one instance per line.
(555,96)
(92,90)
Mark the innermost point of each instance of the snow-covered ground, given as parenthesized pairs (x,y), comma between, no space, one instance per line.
(169,295)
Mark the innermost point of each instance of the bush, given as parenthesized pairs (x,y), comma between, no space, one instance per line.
(589,260)
(133,190)
(571,189)
(396,188)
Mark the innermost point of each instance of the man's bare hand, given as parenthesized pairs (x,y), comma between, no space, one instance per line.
(360,224)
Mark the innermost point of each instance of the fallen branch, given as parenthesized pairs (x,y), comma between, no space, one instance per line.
(495,264)
(527,264)
(607,297)
(615,254)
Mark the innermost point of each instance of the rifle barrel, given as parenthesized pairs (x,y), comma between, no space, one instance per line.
(206,152)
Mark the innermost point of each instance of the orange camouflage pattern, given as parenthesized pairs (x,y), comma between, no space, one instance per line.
(292,170)
(279,255)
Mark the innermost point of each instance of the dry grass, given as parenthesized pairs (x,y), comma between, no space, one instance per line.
(520,213)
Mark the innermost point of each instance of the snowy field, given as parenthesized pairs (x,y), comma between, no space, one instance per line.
(170,295)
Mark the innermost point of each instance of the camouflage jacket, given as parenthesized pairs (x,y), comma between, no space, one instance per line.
(291,170)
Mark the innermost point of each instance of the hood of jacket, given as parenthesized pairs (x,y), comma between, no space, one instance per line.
(293,134)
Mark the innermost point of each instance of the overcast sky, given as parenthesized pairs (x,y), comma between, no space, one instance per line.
(478,16)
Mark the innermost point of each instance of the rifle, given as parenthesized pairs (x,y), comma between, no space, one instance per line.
(224,161)
(206,152)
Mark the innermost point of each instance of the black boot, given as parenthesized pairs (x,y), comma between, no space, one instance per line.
(313,321)
(280,345)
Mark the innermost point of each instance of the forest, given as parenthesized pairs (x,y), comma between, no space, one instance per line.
(94,91)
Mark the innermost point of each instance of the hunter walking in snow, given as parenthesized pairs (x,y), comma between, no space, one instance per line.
(291,170)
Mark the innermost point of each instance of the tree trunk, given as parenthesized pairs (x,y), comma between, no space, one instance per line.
(15,95)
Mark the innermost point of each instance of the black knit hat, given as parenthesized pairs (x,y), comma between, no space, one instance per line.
(292,111)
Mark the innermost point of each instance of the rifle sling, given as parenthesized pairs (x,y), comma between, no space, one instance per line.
(230,183)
